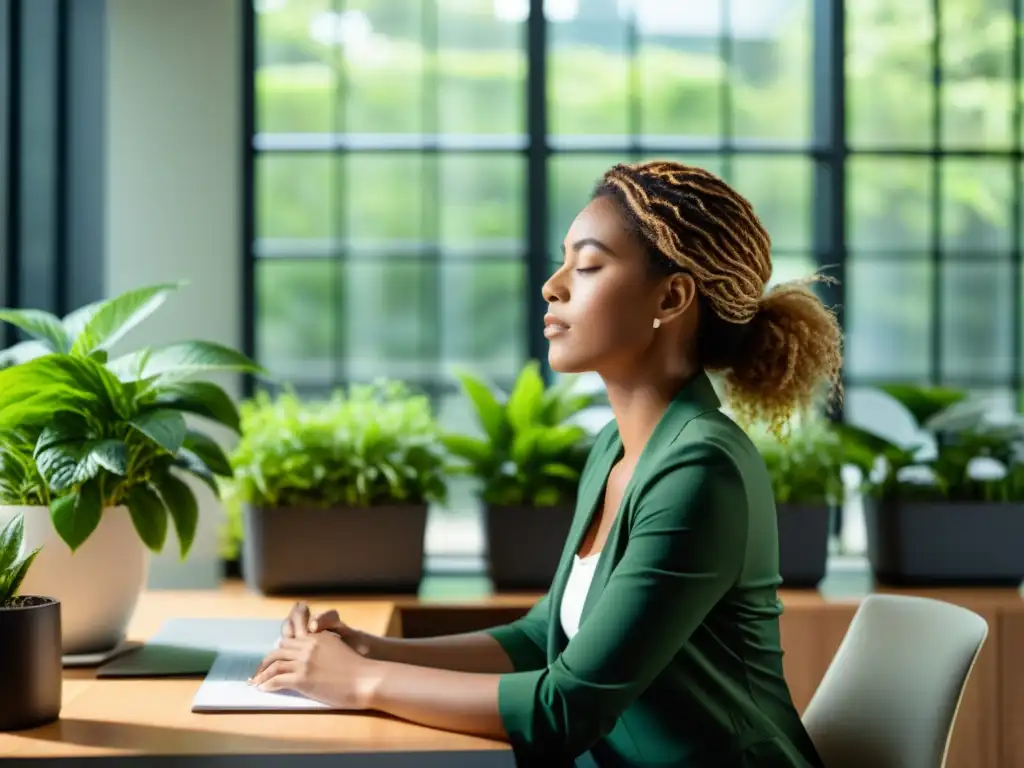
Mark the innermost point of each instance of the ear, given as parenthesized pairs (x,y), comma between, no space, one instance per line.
(678,295)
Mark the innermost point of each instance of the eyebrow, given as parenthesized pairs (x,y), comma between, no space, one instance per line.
(580,244)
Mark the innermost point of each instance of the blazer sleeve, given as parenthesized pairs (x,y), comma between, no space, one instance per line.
(525,639)
(685,551)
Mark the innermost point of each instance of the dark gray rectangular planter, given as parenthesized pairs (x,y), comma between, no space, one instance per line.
(524,545)
(309,550)
(803,544)
(31,669)
(945,543)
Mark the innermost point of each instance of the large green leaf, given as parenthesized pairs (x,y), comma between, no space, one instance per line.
(65,465)
(149,516)
(182,359)
(489,412)
(17,574)
(208,451)
(75,321)
(553,442)
(11,538)
(163,426)
(189,462)
(113,319)
(202,398)
(67,383)
(182,506)
(39,325)
(477,452)
(524,402)
(76,515)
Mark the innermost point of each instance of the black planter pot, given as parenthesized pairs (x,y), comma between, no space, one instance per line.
(803,544)
(524,545)
(945,543)
(31,671)
(307,550)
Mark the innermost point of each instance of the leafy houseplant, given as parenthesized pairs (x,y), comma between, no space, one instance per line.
(946,507)
(806,478)
(334,492)
(111,449)
(30,639)
(528,462)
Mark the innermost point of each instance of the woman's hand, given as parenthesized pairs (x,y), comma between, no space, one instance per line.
(301,622)
(321,666)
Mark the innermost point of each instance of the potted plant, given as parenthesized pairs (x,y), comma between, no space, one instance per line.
(335,492)
(111,448)
(806,478)
(527,461)
(30,646)
(948,507)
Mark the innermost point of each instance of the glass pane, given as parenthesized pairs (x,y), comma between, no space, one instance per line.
(792,266)
(295,67)
(977,73)
(588,69)
(295,318)
(889,73)
(483,316)
(680,73)
(382,49)
(390,325)
(293,196)
(779,188)
(889,203)
(888,317)
(481,69)
(977,204)
(572,179)
(384,195)
(771,74)
(482,200)
(977,320)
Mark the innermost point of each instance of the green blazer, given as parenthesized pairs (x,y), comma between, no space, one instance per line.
(677,660)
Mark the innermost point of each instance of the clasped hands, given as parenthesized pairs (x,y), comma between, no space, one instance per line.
(320,657)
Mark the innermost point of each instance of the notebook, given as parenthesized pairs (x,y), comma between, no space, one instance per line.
(226,688)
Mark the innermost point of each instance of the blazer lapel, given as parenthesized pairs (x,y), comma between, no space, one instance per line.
(696,397)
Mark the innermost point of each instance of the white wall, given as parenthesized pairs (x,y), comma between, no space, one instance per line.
(174,192)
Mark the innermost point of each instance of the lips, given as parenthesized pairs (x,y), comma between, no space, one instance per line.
(554,326)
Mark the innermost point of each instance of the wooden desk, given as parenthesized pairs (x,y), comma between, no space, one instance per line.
(153,717)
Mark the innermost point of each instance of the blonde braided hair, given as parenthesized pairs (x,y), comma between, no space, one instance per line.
(776,350)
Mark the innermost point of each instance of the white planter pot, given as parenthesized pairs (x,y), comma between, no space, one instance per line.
(98,586)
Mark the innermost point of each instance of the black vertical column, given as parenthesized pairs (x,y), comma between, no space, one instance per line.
(537,257)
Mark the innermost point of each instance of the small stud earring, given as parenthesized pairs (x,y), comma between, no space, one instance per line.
(657,323)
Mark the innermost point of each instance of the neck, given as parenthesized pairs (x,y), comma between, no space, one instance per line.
(639,406)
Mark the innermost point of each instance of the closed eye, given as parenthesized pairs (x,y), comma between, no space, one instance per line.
(585,270)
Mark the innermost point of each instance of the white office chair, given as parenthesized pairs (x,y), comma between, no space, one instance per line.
(891,694)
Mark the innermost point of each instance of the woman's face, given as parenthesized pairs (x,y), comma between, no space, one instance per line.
(602,301)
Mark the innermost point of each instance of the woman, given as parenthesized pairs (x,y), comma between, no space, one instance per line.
(658,642)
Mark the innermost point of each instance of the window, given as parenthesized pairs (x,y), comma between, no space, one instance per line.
(415,164)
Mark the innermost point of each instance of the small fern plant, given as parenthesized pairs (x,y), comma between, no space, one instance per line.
(13,568)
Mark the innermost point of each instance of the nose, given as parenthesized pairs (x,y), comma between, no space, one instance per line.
(556,288)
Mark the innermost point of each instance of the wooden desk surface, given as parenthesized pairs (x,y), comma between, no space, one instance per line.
(126,717)
(152,716)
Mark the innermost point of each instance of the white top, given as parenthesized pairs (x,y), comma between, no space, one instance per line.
(576,589)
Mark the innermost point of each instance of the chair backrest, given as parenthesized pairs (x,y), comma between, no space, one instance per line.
(890,696)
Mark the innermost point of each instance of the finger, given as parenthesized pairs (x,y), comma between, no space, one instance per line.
(328,621)
(300,620)
(286,681)
(278,654)
(279,667)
